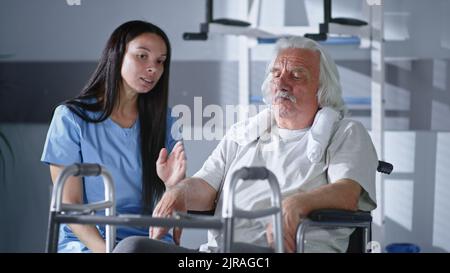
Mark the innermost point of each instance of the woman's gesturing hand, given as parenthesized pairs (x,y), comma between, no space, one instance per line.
(171,168)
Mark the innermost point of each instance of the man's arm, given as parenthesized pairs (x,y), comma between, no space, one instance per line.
(190,194)
(200,195)
(343,194)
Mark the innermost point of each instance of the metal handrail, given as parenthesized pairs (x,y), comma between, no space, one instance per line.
(229,210)
(57,207)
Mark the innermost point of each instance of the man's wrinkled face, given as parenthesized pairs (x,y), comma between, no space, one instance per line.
(295,81)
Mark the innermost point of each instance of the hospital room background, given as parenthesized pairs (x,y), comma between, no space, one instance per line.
(48,49)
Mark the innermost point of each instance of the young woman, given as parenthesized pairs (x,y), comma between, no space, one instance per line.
(120,120)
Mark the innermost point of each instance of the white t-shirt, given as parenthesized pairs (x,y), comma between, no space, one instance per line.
(349,154)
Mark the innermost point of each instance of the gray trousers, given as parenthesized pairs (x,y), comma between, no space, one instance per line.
(141,244)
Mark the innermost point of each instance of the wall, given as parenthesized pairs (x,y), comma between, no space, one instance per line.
(52,30)
(24,194)
(416,193)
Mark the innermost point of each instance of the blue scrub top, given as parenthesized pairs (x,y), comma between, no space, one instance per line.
(70,140)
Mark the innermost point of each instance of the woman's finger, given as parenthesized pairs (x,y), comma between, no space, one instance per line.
(162,158)
(178,147)
(180,156)
(183,163)
(176,151)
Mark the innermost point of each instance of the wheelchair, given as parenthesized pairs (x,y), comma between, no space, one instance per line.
(360,220)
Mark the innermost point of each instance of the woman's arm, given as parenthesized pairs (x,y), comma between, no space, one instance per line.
(73,194)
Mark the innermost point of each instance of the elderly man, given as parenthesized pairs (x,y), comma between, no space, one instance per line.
(320,159)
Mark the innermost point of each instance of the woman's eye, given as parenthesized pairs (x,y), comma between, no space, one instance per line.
(142,56)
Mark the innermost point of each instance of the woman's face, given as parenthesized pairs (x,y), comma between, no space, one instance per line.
(143,63)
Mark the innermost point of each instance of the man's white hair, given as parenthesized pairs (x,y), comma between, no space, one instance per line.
(330,92)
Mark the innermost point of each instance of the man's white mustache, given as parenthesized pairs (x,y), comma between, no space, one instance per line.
(285,95)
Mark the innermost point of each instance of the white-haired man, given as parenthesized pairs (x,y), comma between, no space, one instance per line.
(320,159)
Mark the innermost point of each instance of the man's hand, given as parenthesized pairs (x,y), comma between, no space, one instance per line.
(293,212)
(341,194)
(172,200)
(171,168)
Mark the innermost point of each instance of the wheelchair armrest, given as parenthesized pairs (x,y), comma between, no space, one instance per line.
(199,212)
(338,215)
(192,216)
(335,218)
(322,215)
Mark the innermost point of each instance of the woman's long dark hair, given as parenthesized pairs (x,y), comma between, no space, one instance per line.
(104,87)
